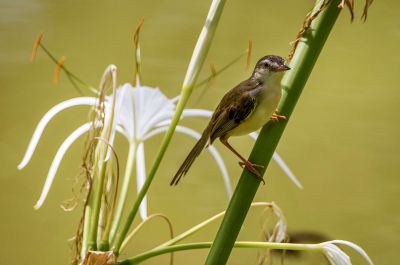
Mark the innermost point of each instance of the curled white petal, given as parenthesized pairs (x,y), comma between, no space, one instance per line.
(214,152)
(154,132)
(278,159)
(335,255)
(166,122)
(57,160)
(159,117)
(222,168)
(197,113)
(45,120)
(349,244)
(175,99)
(141,178)
(188,113)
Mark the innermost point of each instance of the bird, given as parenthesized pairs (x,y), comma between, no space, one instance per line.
(242,110)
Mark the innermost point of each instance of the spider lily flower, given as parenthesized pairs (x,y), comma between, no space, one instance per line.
(336,256)
(140,113)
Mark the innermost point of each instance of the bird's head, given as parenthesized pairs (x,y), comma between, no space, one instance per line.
(268,66)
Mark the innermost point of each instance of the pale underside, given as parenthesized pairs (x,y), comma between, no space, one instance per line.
(266,106)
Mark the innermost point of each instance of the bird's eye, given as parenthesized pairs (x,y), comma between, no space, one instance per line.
(266,64)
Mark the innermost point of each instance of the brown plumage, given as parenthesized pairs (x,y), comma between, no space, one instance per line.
(237,107)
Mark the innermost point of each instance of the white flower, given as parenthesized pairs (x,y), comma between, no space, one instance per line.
(336,256)
(140,113)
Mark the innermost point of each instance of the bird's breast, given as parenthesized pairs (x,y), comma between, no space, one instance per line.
(267,102)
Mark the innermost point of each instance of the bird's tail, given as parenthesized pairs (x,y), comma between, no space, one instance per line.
(194,153)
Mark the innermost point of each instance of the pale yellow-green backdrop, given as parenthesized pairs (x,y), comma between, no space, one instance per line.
(342,141)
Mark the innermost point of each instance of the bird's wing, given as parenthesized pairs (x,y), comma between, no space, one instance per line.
(233,110)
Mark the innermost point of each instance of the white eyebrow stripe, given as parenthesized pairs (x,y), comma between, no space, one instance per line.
(275,64)
(267,61)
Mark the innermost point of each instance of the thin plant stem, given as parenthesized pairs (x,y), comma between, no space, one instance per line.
(72,77)
(93,209)
(196,63)
(200,245)
(217,72)
(93,205)
(293,82)
(130,165)
(105,236)
(202,225)
(222,69)
(141,224)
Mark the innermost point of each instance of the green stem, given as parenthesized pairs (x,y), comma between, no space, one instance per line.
(191,231)
(198,57)
(86,229)
(72,77)
(222,69)
(141,224)
(302,64)
(92,210)
(93,204)
(130,164)
(202,225)
(240,244)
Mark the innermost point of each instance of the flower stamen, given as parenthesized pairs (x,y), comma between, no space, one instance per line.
(58,69)
(36,46)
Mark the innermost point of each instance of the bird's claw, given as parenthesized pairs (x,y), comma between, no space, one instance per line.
(244,164)
(277,117)
(252,168)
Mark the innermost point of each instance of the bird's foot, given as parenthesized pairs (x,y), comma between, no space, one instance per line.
(277,117)
(248,163)
(252,168)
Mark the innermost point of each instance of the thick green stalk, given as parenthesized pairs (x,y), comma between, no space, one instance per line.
(240,244)
(196,63)
(302,64)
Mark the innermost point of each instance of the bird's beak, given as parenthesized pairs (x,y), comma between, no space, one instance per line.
(285,67)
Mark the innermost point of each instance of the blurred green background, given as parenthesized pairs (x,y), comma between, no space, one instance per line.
(342,141)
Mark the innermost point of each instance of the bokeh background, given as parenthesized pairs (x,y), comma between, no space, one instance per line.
(342,141)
